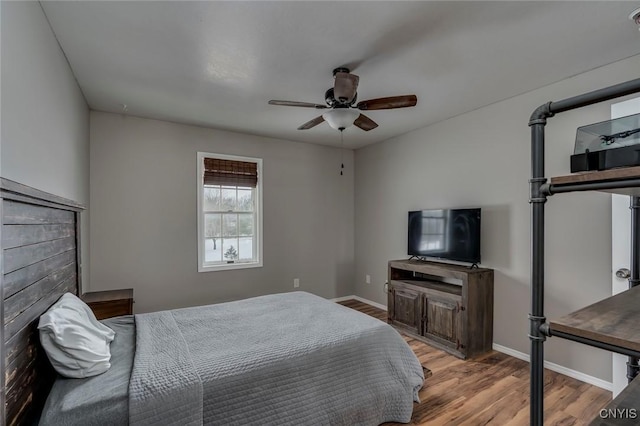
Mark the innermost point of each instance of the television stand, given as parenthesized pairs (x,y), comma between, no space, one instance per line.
(447,306)
(428,259)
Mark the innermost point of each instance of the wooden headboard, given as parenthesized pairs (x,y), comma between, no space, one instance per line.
(40,262)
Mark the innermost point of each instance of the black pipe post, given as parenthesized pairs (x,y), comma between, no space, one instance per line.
(634,277)
(536,317)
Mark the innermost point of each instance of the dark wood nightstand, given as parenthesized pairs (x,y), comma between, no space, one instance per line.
(110,303)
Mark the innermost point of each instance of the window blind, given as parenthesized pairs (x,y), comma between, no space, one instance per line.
(230,172)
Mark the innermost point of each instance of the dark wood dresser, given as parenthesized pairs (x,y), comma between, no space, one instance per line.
(447,306)
(110,303)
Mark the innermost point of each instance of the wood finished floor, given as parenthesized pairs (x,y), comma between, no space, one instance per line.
(492,389)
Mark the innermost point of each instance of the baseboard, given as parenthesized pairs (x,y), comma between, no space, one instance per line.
(342,299)
(557,368)
(360,299)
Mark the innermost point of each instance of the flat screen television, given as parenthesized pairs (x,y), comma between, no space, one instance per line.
(451,234)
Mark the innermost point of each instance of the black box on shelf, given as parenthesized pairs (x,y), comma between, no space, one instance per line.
(607,145)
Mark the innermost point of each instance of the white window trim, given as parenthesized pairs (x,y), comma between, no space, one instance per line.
(258,233)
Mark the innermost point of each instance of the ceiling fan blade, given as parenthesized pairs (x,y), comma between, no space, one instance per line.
(388,103)
(345,86)
(311,123)
(365,123)
(297,104)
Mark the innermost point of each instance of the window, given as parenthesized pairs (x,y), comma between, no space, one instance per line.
(229,212)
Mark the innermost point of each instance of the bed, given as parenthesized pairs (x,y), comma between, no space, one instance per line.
(291,358)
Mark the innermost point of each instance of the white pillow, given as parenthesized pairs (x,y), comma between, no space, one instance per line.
(76,343)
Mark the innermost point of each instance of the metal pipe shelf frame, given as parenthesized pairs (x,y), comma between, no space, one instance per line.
(548,189)
(539,191)
(595,343)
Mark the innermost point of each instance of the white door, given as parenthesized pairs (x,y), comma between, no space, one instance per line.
(620,245)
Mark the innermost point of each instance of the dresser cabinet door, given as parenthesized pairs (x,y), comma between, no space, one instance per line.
(404,309)
(441,319)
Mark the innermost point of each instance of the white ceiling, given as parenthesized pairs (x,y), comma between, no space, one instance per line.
(216,64)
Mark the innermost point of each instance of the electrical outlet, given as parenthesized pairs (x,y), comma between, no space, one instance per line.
(296,282)
(367,279)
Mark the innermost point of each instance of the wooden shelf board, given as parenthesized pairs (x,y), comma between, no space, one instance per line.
(613,320)
(629,400)
(620,174)
(436,268)
(435,285)
(601,176)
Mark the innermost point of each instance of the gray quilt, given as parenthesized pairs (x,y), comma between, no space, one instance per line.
(285,359)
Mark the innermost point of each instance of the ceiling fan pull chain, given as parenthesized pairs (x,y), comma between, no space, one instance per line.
(341,151)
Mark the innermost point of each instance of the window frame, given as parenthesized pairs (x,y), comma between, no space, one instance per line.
(202,266)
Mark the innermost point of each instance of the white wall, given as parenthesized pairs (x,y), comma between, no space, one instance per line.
(45,119)
(143,227)
(482,159)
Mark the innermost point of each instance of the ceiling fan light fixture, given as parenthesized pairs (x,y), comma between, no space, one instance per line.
(635,17)
(341,118)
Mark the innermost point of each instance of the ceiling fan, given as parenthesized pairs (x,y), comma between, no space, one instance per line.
(341,103)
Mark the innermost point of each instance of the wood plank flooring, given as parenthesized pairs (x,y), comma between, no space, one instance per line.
(492,389)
